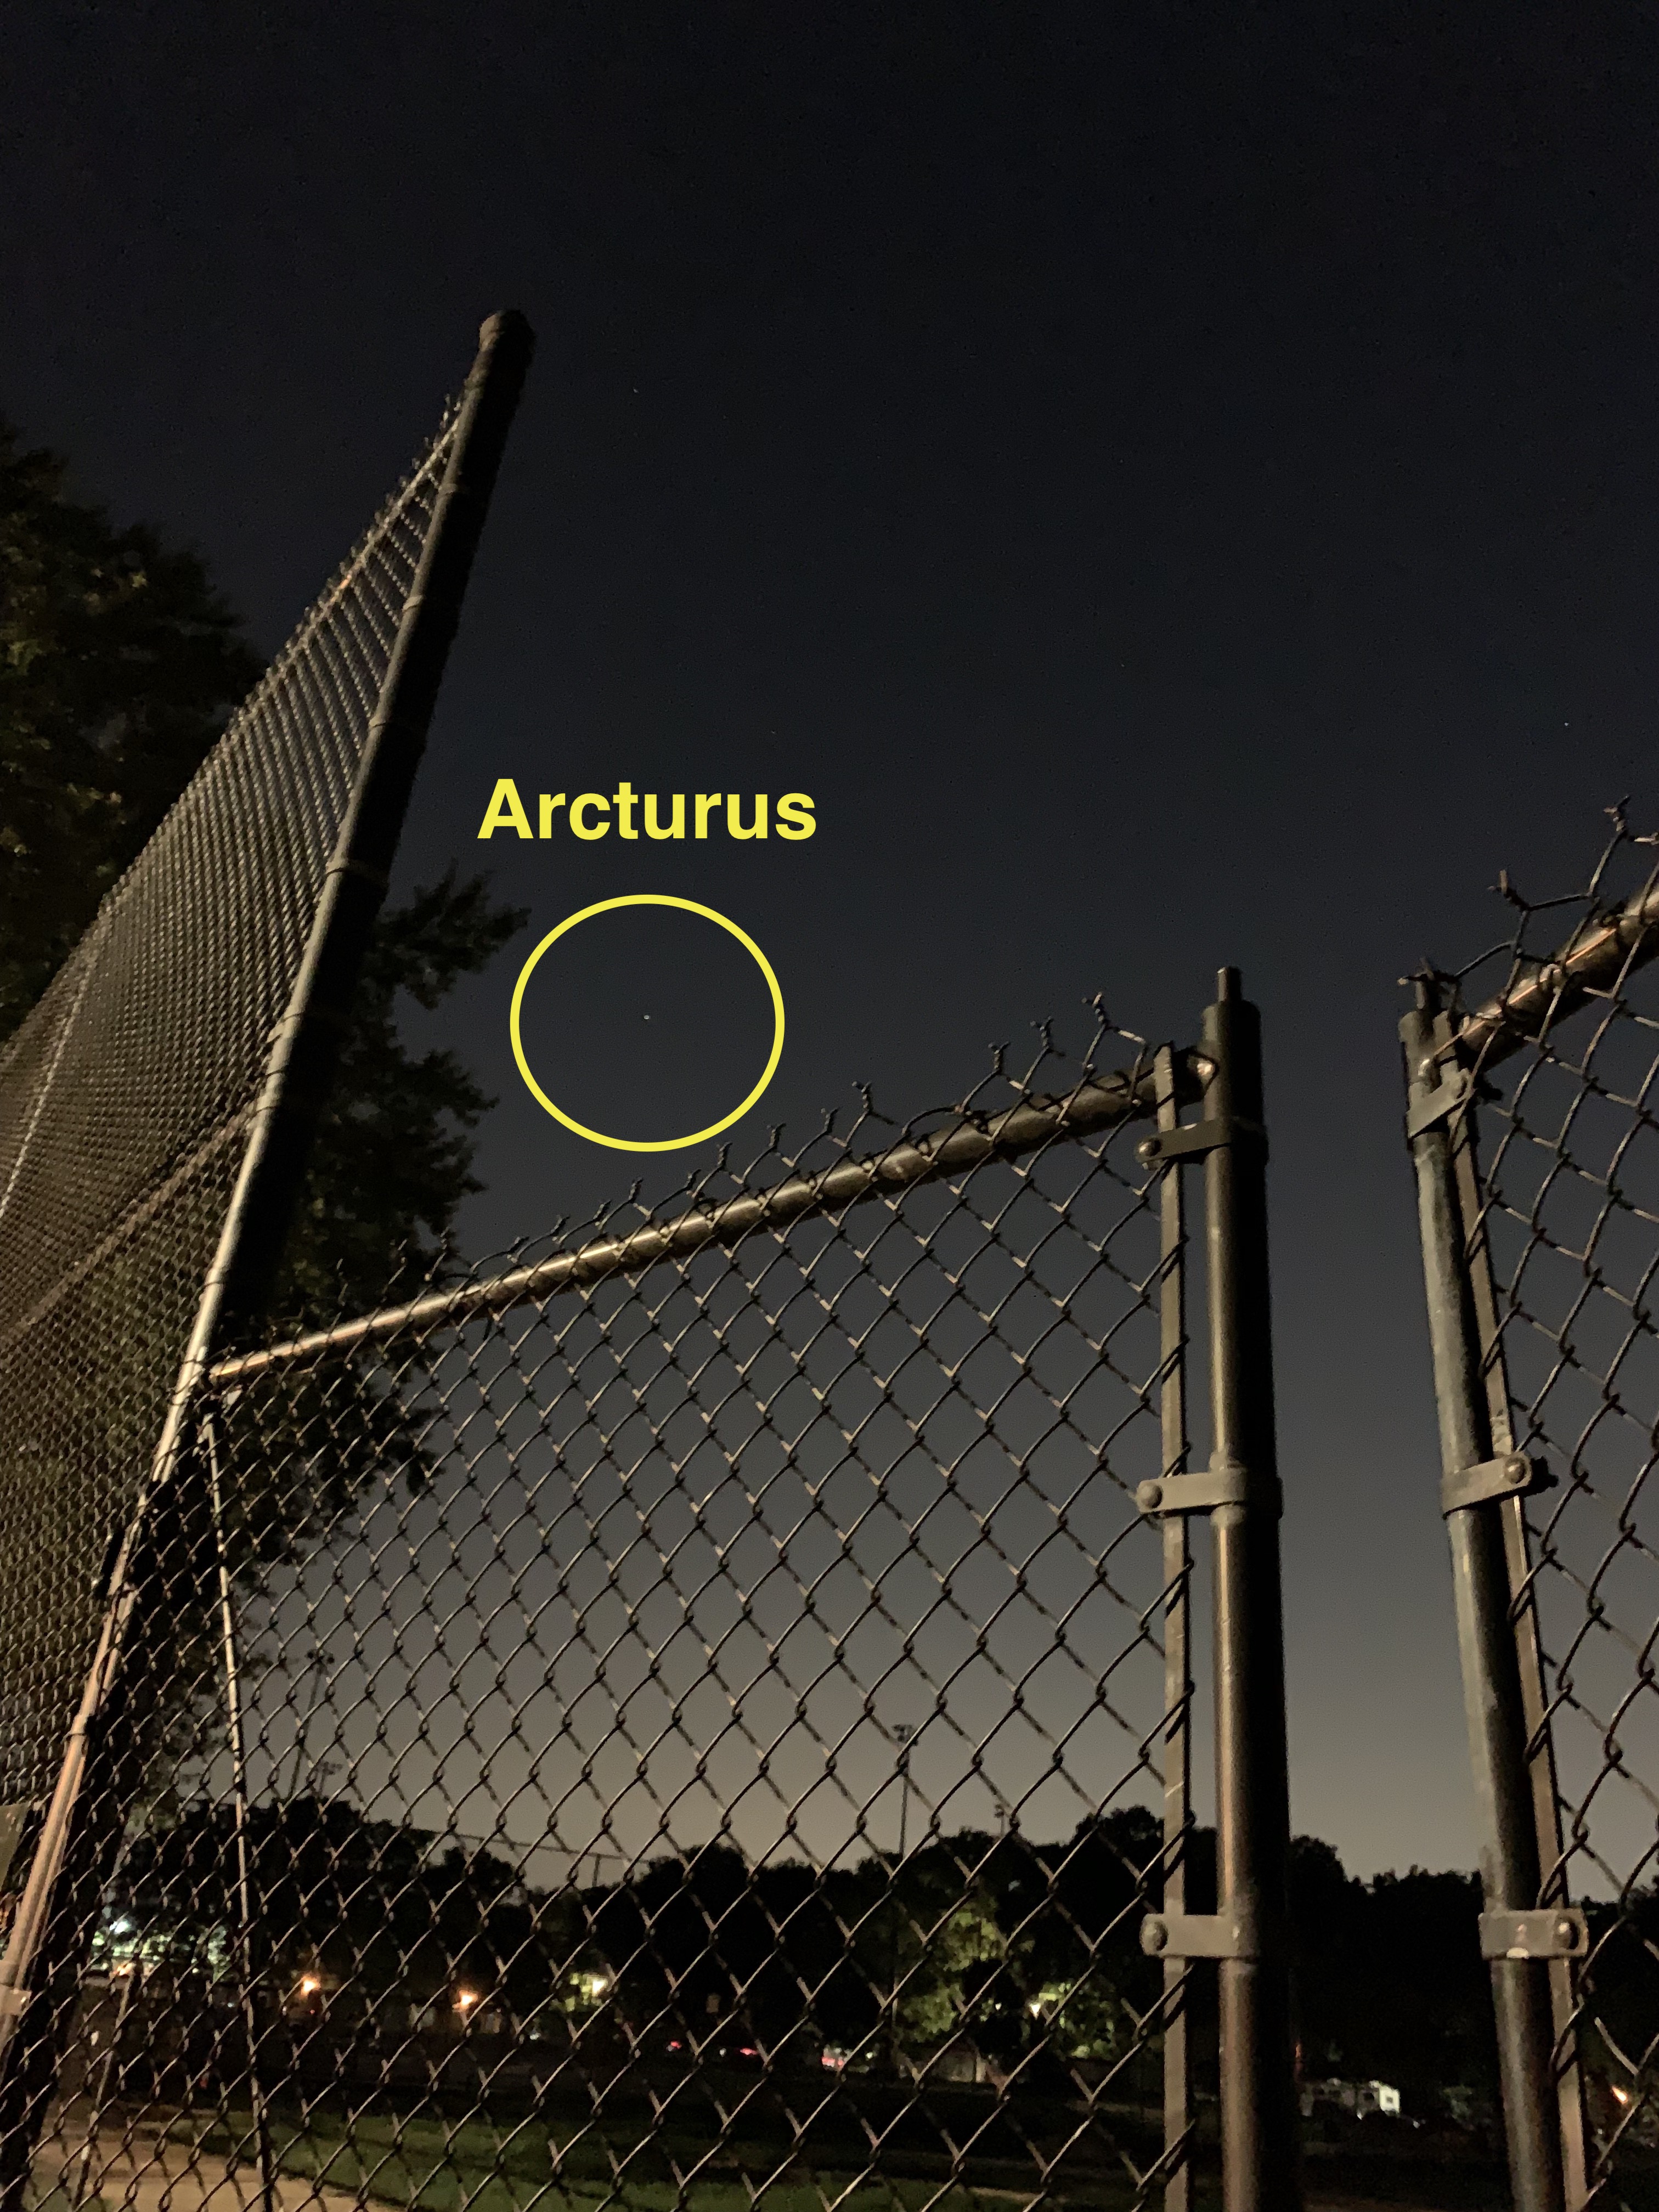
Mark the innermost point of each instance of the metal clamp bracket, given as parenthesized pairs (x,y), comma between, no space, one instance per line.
(1514,1475)
(1231,1935)
(1210,1486)
(1432,1106)
(14,2003)
(1560,1931)
(1198,1137)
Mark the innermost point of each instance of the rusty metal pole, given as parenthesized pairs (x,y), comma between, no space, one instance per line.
(1492,1691)
(1260,2162)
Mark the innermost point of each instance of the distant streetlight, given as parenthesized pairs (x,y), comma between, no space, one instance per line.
(309,1986)
(464,2000)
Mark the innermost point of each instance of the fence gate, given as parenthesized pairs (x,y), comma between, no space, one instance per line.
(700,1713)
(1533,1081)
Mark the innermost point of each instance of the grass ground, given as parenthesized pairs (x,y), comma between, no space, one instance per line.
(425,2165)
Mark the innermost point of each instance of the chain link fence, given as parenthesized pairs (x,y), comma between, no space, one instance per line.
(124,1105)
(700,1721)
(1534,1074)
(700,1712)
(697,1712)
(155,1110)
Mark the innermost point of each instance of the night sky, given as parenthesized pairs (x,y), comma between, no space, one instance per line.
(1175,485)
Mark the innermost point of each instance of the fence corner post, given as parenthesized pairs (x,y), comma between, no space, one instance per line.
(1259,2150)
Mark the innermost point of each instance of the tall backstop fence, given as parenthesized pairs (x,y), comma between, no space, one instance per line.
(155,1110)
(1534,1124)
(703,1713)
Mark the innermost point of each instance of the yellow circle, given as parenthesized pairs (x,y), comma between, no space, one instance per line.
(659,1144)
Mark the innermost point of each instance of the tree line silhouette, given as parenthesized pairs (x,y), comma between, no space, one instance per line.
(1021,1959)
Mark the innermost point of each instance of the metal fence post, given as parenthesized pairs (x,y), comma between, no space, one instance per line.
(1260,2162)
(1177,1663)
(1492,1695)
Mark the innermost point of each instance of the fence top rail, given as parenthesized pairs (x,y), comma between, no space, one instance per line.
(1099,1104)
(1592,959)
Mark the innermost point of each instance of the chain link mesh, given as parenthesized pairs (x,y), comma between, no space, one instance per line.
(688,1733)
(125,1102)
(1569,1122)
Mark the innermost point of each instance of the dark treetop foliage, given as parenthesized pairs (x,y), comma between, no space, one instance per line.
(1390,1980)
(394,1152)
(119,666)
(1029,1951)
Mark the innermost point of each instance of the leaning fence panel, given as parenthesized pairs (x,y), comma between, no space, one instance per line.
(1541,1079)
(156,1108)
(124,1100)
(699,1725)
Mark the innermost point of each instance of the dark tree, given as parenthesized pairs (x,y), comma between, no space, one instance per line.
(1623,2044)
(1390,1983)
(382,1919)
(119,666)
(394,1160)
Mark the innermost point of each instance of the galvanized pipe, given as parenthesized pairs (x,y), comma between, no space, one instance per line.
(1260,2159)
(1101,1104)
(1492,1699)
